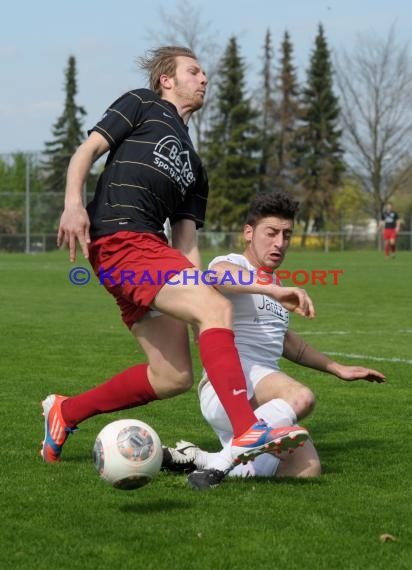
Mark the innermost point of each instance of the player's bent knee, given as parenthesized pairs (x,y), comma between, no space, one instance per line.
(306,402)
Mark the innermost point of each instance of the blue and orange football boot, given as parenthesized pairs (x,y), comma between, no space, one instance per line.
(260,438)
(56,431)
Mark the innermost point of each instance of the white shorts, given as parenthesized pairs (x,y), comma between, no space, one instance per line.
(264,465)
(253,373)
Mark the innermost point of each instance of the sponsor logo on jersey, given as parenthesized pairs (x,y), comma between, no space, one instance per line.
(171,157)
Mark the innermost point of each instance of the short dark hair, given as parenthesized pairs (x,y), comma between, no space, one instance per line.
(162,61)
(279,204)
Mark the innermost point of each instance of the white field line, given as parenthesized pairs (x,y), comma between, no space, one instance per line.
(374,333)
(361,356)
(367,357)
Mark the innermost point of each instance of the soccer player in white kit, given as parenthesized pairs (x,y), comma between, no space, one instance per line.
(261,331)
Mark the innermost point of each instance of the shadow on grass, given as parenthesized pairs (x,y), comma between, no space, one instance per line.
(354,453)
(349,446)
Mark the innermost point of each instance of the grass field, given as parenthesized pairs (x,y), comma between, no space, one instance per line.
(56,337)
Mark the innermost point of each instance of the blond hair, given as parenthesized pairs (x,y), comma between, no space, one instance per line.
(162,61)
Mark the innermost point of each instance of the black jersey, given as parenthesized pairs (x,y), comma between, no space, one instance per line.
(390,219)
(152,172)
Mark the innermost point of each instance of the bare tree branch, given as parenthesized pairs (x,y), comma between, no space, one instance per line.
(375,84)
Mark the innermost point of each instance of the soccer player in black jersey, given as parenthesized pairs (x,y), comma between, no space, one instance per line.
(152,173)
(390,222)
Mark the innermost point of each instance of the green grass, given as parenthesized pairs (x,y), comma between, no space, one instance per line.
(56,337)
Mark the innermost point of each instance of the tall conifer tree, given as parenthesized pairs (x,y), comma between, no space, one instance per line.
(231,146)
(321,162)
(268,119)
(289,115)
(67,132)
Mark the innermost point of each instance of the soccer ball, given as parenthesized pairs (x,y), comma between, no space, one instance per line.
(127,454)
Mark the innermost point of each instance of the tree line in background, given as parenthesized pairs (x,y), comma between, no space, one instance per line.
(339,142)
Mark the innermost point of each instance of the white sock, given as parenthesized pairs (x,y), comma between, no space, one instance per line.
(276,413)
(221,460)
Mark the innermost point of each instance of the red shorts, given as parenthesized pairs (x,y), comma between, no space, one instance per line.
(389,233)
(133,267)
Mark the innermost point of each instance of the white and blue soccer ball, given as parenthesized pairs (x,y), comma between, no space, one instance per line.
(127,454)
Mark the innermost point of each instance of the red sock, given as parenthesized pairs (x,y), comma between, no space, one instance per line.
(129,389)
(222,364)
(387,248)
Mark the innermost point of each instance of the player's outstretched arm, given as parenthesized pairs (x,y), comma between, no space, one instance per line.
(234,278)
(74,222)
(297,350)
(294,299)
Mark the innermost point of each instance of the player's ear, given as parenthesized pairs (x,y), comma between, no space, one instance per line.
(248,233)
(165,81)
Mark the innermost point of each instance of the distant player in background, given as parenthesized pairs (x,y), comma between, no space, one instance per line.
(262,337)
(153,173)
(390,222)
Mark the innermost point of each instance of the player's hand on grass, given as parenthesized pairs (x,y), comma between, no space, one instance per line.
(74,225)
(296,300)
(352,373)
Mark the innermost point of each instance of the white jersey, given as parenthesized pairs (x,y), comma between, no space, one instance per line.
(260,323)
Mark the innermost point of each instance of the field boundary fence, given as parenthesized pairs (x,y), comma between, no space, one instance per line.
(30,213)
(225,241)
